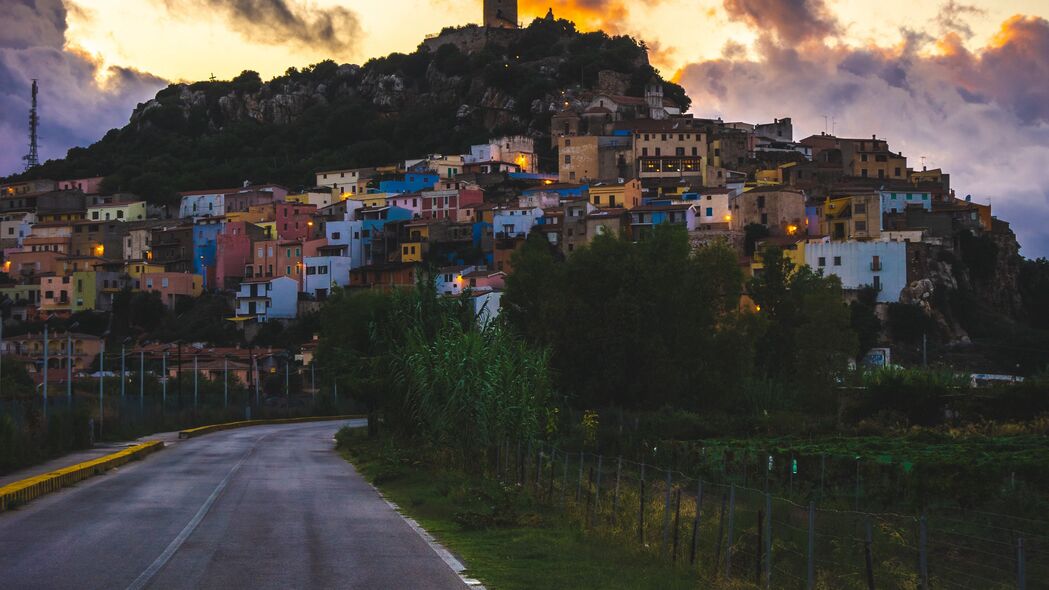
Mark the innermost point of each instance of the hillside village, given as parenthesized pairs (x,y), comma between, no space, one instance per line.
(850,207)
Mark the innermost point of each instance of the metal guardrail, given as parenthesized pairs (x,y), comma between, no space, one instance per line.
(201,430)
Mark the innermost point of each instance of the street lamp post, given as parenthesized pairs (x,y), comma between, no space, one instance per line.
(69,364)
(101,389)
(225,382)
(164,381)
(196,388)
(141,380)
(123,373)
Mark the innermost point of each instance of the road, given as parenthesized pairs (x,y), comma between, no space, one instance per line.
(259,507)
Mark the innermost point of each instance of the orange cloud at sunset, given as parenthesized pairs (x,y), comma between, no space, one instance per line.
(588,15)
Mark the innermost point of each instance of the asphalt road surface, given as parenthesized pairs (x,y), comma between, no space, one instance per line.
(259,507)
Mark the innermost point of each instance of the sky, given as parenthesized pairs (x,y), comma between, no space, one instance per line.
(963,83)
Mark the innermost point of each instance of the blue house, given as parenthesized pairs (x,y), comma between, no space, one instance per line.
(410,182)
(205,239)
(560,189)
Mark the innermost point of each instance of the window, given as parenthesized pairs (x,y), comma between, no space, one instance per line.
(863,173)
(695,151)
(764,219)
(259,253)
(861,226)
(877,283)
(659,151)
(568,159)
(822,261)
(837,261)
(597,199)
(863,158)
(94,215)
(164,283)
(679,151)
(761,202)
(336,235)
(897,171)
(860,208)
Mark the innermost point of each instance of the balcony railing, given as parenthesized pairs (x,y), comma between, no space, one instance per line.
(876,266)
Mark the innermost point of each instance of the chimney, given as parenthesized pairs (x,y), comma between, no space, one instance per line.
(874,136)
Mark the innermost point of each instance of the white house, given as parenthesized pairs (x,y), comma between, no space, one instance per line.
(268,299)
(712,206)
(514,222)
(881,265)
(486,305)
(410,201)
(348,235)
(15,227)
(451,279)
(323,273)
(519,150)
(897,200)
(203,204)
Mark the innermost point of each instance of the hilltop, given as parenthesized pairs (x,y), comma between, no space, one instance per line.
(437,99)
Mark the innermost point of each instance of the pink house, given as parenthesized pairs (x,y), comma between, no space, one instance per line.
(485,280)
(88,186)
(446,204)
(172,285)
(294,220)
(410,201)
(233,251)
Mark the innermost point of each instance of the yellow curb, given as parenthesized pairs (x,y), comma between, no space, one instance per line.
(27,490)
(192,432)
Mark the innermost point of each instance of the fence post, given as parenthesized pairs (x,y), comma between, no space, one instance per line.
(597,487)
(695,522)
(1021,573)
(812,547)
(677,523)
(923,556)
(579,484)
(768,540)
(721,532)
(564,480)
(615,494)
(869,556)
(731,530)
(760,548)
(666,512)
(641,511)
(550,484)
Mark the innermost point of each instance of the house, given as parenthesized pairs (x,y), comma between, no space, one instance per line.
(281,258)
(345,239)
(518,150)
(486,305)
(349,181)
(206,231)
(119,211)
(244,199)
(613,222)
(588,157)
(898,199)
(172,246)
(85,290)
(780,209)
(294,221)
(855,217)
(86,349)
(233,252)
(410,201)
(384,276)
(324,273)
(451,280)
(320,197)
(268,299)
(644,219)
(447,204)
(103,239)
(14,227)
(88,186)
(483,279)
(861,158)
(409,182)
(514,222)
(881,265)
(204,203)
(615,195)
(712,204)
(172,286)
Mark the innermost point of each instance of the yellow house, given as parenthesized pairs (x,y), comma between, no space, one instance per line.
(856,217)
(626,195)
(412,252)
(370,200)
(793,249)
(63,216)
(136,269)
(124,211)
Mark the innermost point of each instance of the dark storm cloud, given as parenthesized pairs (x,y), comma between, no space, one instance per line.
(336,29)
(791,21)
(75,109)
(982,115)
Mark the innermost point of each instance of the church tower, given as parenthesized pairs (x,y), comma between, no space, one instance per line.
(654,99)
(500,14)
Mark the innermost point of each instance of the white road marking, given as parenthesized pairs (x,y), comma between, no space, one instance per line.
(144,579)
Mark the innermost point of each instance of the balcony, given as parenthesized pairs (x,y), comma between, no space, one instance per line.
(876,266)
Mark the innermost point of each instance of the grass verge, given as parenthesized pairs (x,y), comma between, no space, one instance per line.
(506,540)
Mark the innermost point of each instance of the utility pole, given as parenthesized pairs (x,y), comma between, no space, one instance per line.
(225,382)
(69,369)
(123,373)
(178,374)
(164,382)
(141,379)
(101,390)
(46,360)
(196,388)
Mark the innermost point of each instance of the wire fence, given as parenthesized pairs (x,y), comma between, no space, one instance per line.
(743,536)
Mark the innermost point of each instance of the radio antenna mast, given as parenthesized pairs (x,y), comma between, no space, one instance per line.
(32,158)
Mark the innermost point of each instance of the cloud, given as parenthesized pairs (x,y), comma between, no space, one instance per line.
(588,15)
(982,115)
(80,98)
(952,18)
(335,30)
(791,21)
